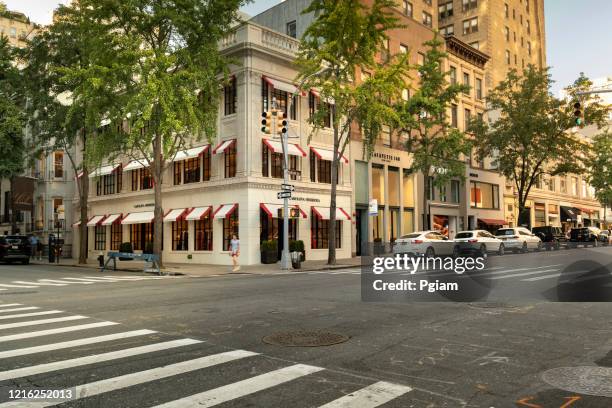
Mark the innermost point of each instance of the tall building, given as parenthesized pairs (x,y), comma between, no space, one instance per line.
(511,32)
(16,26)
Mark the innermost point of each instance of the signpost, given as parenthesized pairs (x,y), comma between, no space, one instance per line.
(283,195)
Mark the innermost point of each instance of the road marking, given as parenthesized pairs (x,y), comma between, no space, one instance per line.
(11,304)
(73,343)
(370,396)
(92,359)
(67,329)
(65,281)
(39,283)
(17,316)
(18,309)
(128,380)
(556,275)
(134,277)
(516,270)
(4,285)
(586,278)
(515,275)
(86,280)
(43,321)
(241,388)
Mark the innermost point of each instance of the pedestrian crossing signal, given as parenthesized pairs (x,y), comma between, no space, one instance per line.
(266,122)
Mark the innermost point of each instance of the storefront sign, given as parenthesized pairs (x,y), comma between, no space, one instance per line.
(144,205)
(373,207)
(308,199)
(386,157)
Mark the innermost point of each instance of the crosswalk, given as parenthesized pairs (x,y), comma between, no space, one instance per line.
(103,363)
(83,280)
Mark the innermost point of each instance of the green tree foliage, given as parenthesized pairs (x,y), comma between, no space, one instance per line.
(532,135)
(344,40)
(156,80)
(438,148)
(600,168)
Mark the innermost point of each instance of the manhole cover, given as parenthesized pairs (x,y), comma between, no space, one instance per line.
(588,380)
(305,338)
(492,305)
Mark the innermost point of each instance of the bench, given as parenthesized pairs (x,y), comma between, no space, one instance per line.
(149,258)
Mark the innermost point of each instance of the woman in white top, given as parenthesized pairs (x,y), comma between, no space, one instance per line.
(235,252)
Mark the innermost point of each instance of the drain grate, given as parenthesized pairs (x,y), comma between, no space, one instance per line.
(305,338)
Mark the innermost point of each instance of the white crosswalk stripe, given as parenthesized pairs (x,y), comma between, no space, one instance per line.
(10,304)
(42,321)
(556,275)
(370,396)
(4,285)
(84,280)
(239,389)
(66,282)
(518,275)
(18,309)
(39,333)
(39,283)
(18,316)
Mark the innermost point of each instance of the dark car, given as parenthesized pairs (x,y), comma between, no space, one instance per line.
(552,237)
(15,248)
(584,236)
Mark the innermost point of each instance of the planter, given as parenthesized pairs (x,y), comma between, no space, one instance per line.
(269,257)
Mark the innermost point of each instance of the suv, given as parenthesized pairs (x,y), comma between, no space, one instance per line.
(552,237)
(15,248)
(518,239)
(584,235)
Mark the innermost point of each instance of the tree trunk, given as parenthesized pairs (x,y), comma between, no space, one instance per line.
(13,211)
(331,254)
(157,189)
(427,188)
(83,201)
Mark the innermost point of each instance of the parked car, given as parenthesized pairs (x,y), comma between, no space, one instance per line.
(607,236)
(478,242)
(15,248)
(519,239)
(429,243)
(584,236)
(552,237)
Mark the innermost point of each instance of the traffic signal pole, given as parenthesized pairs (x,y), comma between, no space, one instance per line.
(285,254)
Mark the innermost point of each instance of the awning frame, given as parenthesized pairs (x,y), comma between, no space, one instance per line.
(206,213)
(316,151)
(224,145)
(270,144)
(228,213)
(271,215)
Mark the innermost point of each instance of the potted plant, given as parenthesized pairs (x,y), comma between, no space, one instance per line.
(298,246)
(269,251)
(126,248)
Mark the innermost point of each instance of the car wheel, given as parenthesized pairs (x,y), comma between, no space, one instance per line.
(25,262)
(539,247)
(501,250)
(524,248)
(483,251)
(430,253)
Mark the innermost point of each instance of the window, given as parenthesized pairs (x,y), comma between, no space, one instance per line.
(529,48)
(312,104)
(230,227)
(470,26)
(442,191)
(281,98)
(507,57)
(521,19)
(206,165)
(448,30)
(469,4)
(403,49)
(116,236)
(177,172)
(13,32)
(478,88)
(506,10)
(265,96)
(141,179)
(507,34)
(110,183)
(407,9)
(203,234)
(528,26)
(475,45)
(428,2)
(515,59)
(265,162)
(563,185)
(455,197)
(522,41)
(58,164)
(427,19)
(453,75)
(230,161)
(466,82)
(454,120)
(100,237)
(575,186)
(445,10)
(324,171)
(292,29)
(421,59)
(269,227)
(484,195)
(230,97)
(191,170)
(180,236)
(141,236)
(384,52)
(295,100)
(320,233)
(467,117)
(277,165)
(386,135)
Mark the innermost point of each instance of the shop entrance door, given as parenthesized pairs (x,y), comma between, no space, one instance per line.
(361,227)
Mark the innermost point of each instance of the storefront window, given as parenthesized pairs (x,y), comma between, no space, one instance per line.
(378,183)
(116,236)
(141,235)
(320,233)
(484,195)
(377,223)
(361,188)
(203,232)
(407,221)
(270,227)
(230,227)
(394,186)
(100,237)
(408,190)
(180,236)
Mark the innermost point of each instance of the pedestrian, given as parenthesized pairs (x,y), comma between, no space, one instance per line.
(39,249)
(235,252)
(33,245)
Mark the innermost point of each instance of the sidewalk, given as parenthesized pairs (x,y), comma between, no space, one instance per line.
(200,270)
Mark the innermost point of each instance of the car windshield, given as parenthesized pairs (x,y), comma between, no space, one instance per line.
(503,232)
(410,236)
(15,240)
(464,235)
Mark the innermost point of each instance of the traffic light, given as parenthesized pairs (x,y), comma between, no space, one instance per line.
(266,122)
(281,124)
(578,114)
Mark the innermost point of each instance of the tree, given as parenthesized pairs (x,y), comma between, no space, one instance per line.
(342,41)
(600,169)
(438,148)
(156,79)
(532,135)
(57,123)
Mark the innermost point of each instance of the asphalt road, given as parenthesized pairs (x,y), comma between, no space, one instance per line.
(134,341)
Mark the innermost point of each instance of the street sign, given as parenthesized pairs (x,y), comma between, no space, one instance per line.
(287,187)
(283,194)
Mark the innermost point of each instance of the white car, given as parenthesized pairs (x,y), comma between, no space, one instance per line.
(480,242)
(429,243)
(519,239)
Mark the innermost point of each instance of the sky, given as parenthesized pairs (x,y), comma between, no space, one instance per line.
(578,33)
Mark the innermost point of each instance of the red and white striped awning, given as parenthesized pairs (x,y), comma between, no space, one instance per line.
(223,146)
(292,148)
(191,153)
(198,213)
(103,171)
(325,154)
(225,210)
(112,219)
(323,213)
(96,220)
(136,164)
(176,215)
(138,218)
(273,209)
(280,85)
(316,93)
